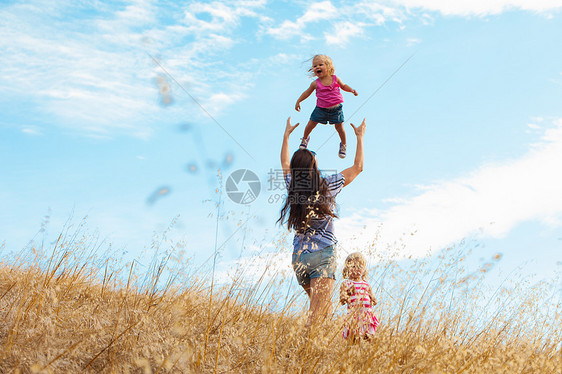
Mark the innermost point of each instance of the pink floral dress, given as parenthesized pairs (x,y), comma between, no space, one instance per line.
(361,318)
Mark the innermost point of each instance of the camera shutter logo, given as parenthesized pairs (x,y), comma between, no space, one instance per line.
(243,186)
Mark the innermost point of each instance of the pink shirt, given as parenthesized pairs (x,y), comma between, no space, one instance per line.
(360,298)
(328,96)
(361,318)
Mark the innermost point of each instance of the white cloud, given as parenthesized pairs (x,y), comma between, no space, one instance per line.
(343,31)
(322,11)
(217,101)
(139,12)
(490,202)
(31,130)
(77,75)
(201,18)
(479,7)
(377,13)
(352,20)
(413,41)
(221,17)
(316,12)
(88,69)
(287,30)
(348,21)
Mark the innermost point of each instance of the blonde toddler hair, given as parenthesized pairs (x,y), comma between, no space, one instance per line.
(355,258)
(327,61)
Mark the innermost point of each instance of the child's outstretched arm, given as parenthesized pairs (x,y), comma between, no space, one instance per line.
(305,95)
(346,88)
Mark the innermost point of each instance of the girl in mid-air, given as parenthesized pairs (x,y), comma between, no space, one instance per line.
(358,295)
(329,100)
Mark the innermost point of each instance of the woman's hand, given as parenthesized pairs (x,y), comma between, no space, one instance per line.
(359,131)
(288,128)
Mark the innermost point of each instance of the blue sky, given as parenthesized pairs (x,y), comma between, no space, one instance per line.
(125,111)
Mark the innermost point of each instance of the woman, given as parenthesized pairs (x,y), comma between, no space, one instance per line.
(310,210)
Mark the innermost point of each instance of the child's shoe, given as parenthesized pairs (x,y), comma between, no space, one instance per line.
(342,153)
(304,143)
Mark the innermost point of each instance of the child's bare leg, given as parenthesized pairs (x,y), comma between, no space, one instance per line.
(308,129)
(341,132)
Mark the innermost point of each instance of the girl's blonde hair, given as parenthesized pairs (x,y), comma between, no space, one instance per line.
(327,61)
(355,258)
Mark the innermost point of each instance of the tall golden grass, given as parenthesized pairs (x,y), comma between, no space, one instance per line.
(64,309)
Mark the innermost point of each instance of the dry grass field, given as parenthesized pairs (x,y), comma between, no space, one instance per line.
(64,310)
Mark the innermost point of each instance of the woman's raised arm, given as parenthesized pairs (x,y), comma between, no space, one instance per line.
(285,154)
(350,173)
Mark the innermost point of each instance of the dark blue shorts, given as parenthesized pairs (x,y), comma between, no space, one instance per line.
(317,264)
(325,115)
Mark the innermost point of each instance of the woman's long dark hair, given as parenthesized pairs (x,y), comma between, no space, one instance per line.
(308,193)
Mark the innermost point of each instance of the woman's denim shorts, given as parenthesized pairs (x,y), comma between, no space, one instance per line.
(318,264)
(325,115)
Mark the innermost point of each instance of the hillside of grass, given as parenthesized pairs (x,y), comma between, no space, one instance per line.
(63,310)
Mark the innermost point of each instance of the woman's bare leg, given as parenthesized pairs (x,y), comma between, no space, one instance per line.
(306,287)
(320,304)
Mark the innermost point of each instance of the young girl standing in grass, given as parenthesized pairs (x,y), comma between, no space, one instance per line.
(358,295)
(329,100)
